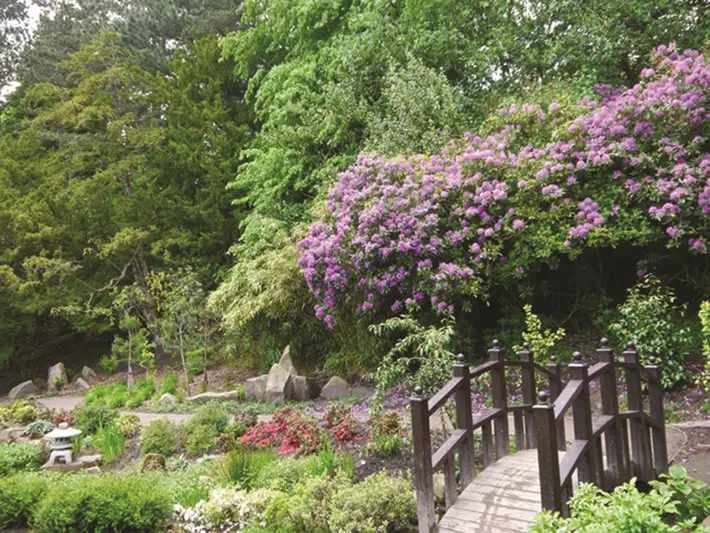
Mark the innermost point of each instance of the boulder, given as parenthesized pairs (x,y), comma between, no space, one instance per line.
(95,470)
(168,398)
(336,388)
(303,388)
(279,385)
(82,384)
(255,388)
(57,373)
(87,372)
(22,390)
(286,362)
(153,461)
(87,461)
(231,396)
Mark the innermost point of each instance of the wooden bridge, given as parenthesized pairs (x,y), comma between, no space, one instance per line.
(489,489)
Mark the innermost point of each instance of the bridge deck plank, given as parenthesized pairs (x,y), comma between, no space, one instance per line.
(505,497)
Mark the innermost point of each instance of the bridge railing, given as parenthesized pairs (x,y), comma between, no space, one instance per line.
(613,447)
(492,423)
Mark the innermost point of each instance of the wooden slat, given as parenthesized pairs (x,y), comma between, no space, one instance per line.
(571,460)
(482,368)
(448,448)
(601,424)
(645,375)
(439,399)
(485,417)
(597,369)
(522,407)
(545,372)
(567,396)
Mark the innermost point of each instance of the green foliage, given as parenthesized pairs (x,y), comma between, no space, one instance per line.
(19,412)
(240,467)
(210,415)
(624,509)
(162,436)
(94,416)
(19,496)
(201,440)
(379,504)
(143,391)
(704,315)
(651,319)
(128,424)
(114,395)
(111,442)
(112,502)
(542,341)
(109,364)
(422,356)
(691,496)
(38,428)
(169,385)
(16,457)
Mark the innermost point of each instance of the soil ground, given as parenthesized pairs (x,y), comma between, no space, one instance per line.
(695,455)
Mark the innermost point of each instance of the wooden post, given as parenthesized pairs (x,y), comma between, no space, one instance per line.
(528,378)
(548,461)
(487,444)
(450,489)
(499,401)
(423,470)
(655,400)
(640,442)
(464,420)
(582,413)
(555,390)
(610,406)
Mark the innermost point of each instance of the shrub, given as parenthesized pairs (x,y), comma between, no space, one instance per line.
(169,384)
(657,326)
(110,442)
(128,424)
(704,315)
(94,416)
(112,395)
(142,392)
(380,504)
(211,415)
(107,503)
(109,363)
(23,412)
(163,437)
(284,475)
(16,457)
(691,496)
(201,440)
(240,467)
(64,416)
(38,428)
(19,495)
(625,509)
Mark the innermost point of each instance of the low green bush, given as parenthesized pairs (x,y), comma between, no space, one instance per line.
(110,442)
(109,363)
(113,395)
(624,509)
(17,457)
(94,416)
(143,391)
(211,415)
(201,440)
(110,502)
(169,385)
(19,496)
(128,424)
(20,412)
(38,428)
(162,436)
(240,467)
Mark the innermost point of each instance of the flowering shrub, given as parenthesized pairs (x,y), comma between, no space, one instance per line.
(419,232)
(290,430)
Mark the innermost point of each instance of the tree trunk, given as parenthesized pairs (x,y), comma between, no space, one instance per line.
(184,366)
(204,361)
(130,366)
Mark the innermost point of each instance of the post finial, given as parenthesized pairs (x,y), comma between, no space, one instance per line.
(495,343)
(652,360)
(553,359)
(577,357)
(460,358)
(630,346)
(526,346)
(543,396)
(604,342)
(418,391)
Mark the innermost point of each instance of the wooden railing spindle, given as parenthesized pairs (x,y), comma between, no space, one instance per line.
(528,386)
(640,442)
(464,420)
(555,389)
(582,414)
(610,406)
(548,461)
(499,401)
(655,400)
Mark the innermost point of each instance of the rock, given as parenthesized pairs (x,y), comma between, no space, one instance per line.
(255,388)
(153,461)
(4,436)
(303,388)
(22,390)
(82,384)
(57,373)
(231,396)
(61,467)
(168,398)
(286,362)
(205,480)
(706,524)
(88,372)
(87,461)
(93,470)
(279,385)
(439,486)
(336,388)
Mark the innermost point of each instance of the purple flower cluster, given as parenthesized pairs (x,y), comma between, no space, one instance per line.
(421,230)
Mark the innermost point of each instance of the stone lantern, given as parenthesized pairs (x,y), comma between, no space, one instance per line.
(61,445)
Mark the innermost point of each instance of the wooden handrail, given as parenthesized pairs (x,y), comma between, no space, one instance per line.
(482,368)
(599,368)
(567,396)
(441,397)
(448,448)
(571,460)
